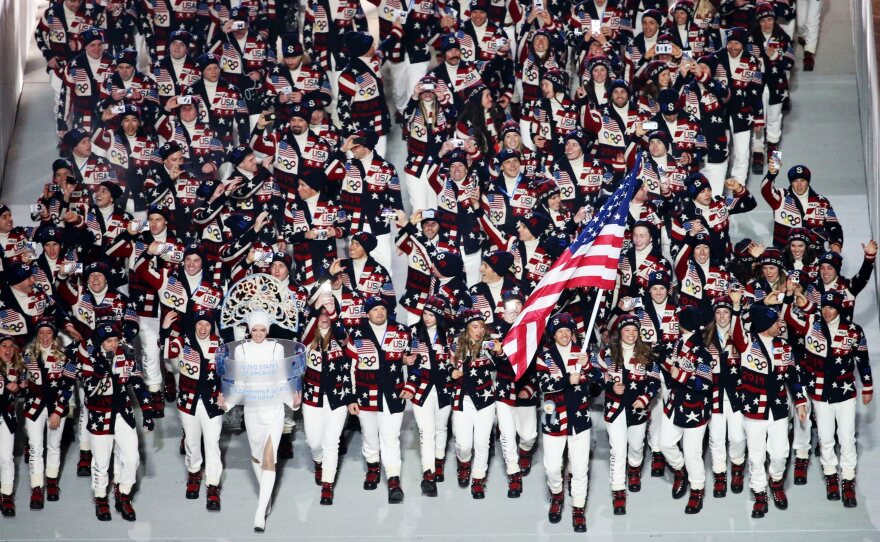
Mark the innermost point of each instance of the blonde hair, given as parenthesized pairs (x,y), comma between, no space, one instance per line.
(33,348)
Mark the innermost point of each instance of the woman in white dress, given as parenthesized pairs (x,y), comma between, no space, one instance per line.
(264,422)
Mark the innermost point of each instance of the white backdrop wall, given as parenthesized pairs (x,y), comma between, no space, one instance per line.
(869,107)
(17,22)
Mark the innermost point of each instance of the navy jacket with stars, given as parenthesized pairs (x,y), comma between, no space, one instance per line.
(767,377)
(566,408)
(690,394)
(475,382)
(640,382)
(106,379)
(829,361)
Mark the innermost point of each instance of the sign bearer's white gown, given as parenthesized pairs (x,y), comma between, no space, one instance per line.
(262,421)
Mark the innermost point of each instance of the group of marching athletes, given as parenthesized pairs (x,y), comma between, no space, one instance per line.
(250,147)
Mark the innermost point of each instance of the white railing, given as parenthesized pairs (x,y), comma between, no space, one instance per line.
(869,108)
(17,23)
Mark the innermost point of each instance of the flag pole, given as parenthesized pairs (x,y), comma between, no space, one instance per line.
(593,316)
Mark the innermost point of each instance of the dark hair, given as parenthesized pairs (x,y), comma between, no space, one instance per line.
(474,115)
(642,352)
(809,258)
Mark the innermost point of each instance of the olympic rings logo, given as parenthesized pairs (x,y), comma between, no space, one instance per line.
(173,299)
(16,327)
(815,345)
(648,333)
(190,369)
(369,361)
(790,219)
(759,364)
(82,88)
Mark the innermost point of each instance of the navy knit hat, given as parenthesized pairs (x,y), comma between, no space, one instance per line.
(580,136)
(91,34)
(508,154)
(653,14)
(194,248)
(366,240)
(181,35)
(168,149)
(449,42)
(238,224)
(659,278)
(741,250)
(237,155)
(448,264)
(48,234)
(127,56)
(290,45)
(457,155)
(799,172)
(800,234)
(366,138)
(701,238)
(693,318)
(374,301)
(668,101)
(358,43)
(106,331)
(206,60)
(314,179)
(161,210)
(619,83)
(72,138)
(114,189)
(833,259)
(284,258)
(763,317)
(97,267)
(203,313)
(738,34)
(240,13)
(536,222)
(563,320)
(17,272)
(61,163)
(661,136)
(834,299)
(696,183)
(297,110)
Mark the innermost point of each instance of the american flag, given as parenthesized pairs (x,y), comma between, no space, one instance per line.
(591,261)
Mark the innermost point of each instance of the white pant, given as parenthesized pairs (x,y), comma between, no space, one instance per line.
(381,438)
(525,131)
(195,427)
(472,429)
(381,145)
(802,433)
(844,415)
(123,447)
(692,445)
(85,442)
(472,263)
(150,352)
(656,418)
(323,427)
(763,438)
(513,421)
(56,84)
(7,461)
(404,77)
(578,463)
(333,78)
(627,444)
(716,175)
(421,194)
(809,14)
(36,431)
(772,124)
(723,426)
(433,423)
(739,154)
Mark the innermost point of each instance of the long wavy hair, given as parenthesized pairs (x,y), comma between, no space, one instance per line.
(32,350)
(16,364)
(642,353)
(465,347)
